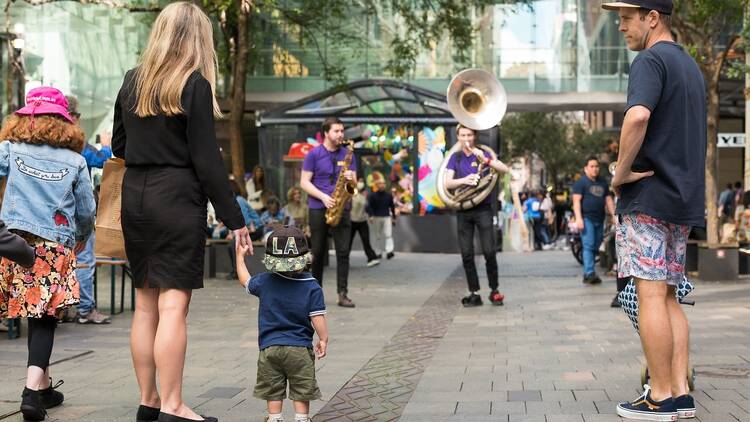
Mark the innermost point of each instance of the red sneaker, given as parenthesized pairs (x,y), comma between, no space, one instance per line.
(496,298)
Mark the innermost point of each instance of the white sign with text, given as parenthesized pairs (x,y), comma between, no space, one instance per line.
(731,140)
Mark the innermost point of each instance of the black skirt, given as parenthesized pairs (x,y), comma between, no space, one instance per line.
(164,225)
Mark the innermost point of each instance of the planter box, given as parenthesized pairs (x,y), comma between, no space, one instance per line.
(718,263)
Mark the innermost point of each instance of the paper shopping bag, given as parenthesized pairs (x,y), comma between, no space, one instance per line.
(109,239)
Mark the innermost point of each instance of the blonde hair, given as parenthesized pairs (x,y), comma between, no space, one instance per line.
(180,43)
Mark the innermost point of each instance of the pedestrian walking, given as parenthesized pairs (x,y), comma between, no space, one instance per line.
(592,200)
(382,213)
(164,129)
(360,225)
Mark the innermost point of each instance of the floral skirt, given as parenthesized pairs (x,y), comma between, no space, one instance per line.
(47,288)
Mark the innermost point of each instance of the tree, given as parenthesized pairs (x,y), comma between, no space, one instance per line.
(248,25)
(710,29)
(561,145)
(446,18)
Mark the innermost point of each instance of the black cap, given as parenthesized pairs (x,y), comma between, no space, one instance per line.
(286,242)
(661,6)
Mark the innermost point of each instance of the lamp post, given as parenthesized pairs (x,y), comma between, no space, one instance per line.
(15,80)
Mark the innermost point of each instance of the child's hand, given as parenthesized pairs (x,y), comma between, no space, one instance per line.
(242,250)
(320,349)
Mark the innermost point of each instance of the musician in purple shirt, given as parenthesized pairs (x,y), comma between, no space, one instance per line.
(320,171)
(462,171)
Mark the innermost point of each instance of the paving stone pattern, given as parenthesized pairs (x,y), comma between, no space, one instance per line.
(555,352)
(382,388)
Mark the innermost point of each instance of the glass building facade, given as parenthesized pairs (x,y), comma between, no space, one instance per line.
(552,46)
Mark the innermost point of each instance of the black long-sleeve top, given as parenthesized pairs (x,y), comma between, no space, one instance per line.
(380,204)
(187,140)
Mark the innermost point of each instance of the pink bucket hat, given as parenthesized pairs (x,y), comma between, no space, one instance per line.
(46,100)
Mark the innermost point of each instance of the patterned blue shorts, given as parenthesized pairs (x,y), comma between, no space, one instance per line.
(651,249)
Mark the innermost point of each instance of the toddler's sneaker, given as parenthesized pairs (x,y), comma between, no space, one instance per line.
(685,406)
(645,409)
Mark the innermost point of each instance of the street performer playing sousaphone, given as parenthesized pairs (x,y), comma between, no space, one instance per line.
(320,173)
(463,170)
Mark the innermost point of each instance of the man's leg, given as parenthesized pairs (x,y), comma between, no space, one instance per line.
(341,234)
(680,336)
(377,235)
(318,241)
(487,238)
(656,335)
(388,235)
(364,234)
(588,239)
(465,225)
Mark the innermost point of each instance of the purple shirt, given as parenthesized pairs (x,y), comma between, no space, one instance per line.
(468,164)
(325,167)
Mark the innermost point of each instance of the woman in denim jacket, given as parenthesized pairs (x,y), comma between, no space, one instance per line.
(48,202)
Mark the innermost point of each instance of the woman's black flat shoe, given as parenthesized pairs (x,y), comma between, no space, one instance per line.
(166,417)
(147,414)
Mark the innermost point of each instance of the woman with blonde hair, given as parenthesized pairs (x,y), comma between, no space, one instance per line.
(164,129)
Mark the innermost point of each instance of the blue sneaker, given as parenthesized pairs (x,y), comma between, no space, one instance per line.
(685,406)
(645,409)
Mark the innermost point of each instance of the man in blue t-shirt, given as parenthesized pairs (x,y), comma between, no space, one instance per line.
(462,170)
(591,198)
(291,310)
(660,182)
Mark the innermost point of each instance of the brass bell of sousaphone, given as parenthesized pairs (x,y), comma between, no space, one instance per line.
(477,100)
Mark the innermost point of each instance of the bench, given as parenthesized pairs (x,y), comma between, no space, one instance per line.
(113,263)
(217,256)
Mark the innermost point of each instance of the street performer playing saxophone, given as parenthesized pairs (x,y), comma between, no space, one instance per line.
(464,166)
(320,173)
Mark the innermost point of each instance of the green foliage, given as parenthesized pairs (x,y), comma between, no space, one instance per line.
(561,145)
(428,21)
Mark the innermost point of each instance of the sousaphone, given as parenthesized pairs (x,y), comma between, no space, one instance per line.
(478,101)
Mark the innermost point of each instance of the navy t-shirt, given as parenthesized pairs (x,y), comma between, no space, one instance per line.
(286,305)
(667,81)
(594,197)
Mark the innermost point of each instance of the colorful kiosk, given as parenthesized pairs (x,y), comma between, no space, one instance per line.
(400,131)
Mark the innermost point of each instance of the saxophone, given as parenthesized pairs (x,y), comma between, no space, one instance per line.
(343,191)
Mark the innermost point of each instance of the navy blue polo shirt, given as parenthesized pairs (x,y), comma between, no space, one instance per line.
(286,305)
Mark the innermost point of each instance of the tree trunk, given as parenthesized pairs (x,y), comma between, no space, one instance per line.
(712,223)
(237,108)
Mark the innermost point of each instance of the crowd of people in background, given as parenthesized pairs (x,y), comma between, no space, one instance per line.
(374,212)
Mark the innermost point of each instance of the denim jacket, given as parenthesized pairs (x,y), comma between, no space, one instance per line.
(48,193)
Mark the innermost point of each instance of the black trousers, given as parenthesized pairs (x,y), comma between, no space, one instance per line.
(538,236)
(319,246)
(364,233)
(41,339)
(481,218)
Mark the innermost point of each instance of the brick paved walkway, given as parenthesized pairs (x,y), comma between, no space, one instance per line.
(555,352)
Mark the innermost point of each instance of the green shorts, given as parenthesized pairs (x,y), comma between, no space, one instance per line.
(279,364)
